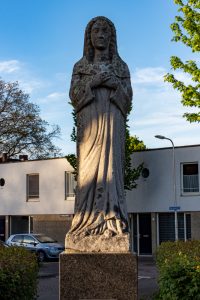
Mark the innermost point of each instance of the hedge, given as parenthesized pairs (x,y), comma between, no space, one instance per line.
(18,274)
(179,270)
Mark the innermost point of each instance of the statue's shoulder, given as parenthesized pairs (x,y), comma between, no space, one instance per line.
(120,67)
(82,67)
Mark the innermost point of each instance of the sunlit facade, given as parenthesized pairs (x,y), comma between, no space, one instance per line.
(38,196)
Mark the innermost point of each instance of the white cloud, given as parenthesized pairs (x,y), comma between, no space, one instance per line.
(150,80)
(15,70)
(148,75)
(156,119)
(31,85)
(56,95)
(184,77)
(157,109)
(49,92)
(9,66)
(53,97)
(156,105)
(156,75)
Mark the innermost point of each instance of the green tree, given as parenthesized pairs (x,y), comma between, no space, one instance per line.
(186,29)
(132,143)
(21,128)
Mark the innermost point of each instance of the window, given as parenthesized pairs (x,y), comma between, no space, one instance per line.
(29,239)
(32,186)
(18,239)
(188,227)
(70,185)
(190,178)
(167,227)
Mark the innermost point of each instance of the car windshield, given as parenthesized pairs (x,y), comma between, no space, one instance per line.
(44,239)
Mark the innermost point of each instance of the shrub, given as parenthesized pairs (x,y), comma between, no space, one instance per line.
(179,270)
(18,274)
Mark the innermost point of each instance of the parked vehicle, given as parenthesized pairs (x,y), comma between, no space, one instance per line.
(3,244)
(44,246)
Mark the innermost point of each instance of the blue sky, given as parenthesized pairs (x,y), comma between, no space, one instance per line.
(42,39)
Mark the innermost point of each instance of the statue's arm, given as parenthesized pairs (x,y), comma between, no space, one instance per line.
(80,92)
(122,95)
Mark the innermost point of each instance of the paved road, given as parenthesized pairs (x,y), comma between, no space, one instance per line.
(48,286)
(147,278)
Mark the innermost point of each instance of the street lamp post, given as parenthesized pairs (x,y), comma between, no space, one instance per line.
(161,137)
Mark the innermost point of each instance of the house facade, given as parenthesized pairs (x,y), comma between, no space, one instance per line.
(167,197)
(38,196)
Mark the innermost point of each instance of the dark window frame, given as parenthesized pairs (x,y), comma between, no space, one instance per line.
(186,186)
(68,185)
(29,196)
(166,226)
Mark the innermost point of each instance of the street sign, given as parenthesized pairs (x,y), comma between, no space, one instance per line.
(174,208)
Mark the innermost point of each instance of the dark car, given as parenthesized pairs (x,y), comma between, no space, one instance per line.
(44,246)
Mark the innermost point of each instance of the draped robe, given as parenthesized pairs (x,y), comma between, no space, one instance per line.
(100,204)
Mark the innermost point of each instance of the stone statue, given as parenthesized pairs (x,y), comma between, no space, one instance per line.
(101,94)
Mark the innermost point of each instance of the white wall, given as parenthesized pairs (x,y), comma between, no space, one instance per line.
(13,199)
(155,194)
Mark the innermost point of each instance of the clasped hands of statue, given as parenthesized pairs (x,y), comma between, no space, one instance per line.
(104,79)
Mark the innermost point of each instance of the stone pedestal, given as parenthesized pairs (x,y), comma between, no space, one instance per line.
(98,276)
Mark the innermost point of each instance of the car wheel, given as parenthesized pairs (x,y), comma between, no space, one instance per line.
(41,256)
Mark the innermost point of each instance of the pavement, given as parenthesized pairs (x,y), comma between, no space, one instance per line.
(48,283)
(147,278)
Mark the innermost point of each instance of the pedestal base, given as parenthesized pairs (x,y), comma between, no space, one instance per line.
(98,243)
(102,276)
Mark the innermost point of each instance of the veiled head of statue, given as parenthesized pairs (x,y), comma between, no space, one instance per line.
(100,33)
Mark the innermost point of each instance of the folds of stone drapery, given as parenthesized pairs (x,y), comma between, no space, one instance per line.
(100,205)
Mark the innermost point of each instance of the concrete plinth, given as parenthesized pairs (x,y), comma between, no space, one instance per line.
(102,276)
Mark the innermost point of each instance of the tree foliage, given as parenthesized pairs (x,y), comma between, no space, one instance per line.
(132,143)
(21,128)
(179,270)
(72,159)
(186,29)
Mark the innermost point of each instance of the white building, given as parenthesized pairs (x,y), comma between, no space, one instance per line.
(38,196)
(153,203)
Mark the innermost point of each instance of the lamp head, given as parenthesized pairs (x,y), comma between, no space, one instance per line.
(161,137)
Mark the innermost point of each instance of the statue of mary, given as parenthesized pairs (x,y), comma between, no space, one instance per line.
(101,94)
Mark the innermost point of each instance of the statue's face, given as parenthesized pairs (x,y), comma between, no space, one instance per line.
(100,35)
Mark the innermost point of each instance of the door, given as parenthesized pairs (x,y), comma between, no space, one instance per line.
(2,228)
(19,224)
(145,234)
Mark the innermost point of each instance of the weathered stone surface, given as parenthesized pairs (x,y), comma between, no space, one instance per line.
(101,95)
(99,276)
(99,243)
